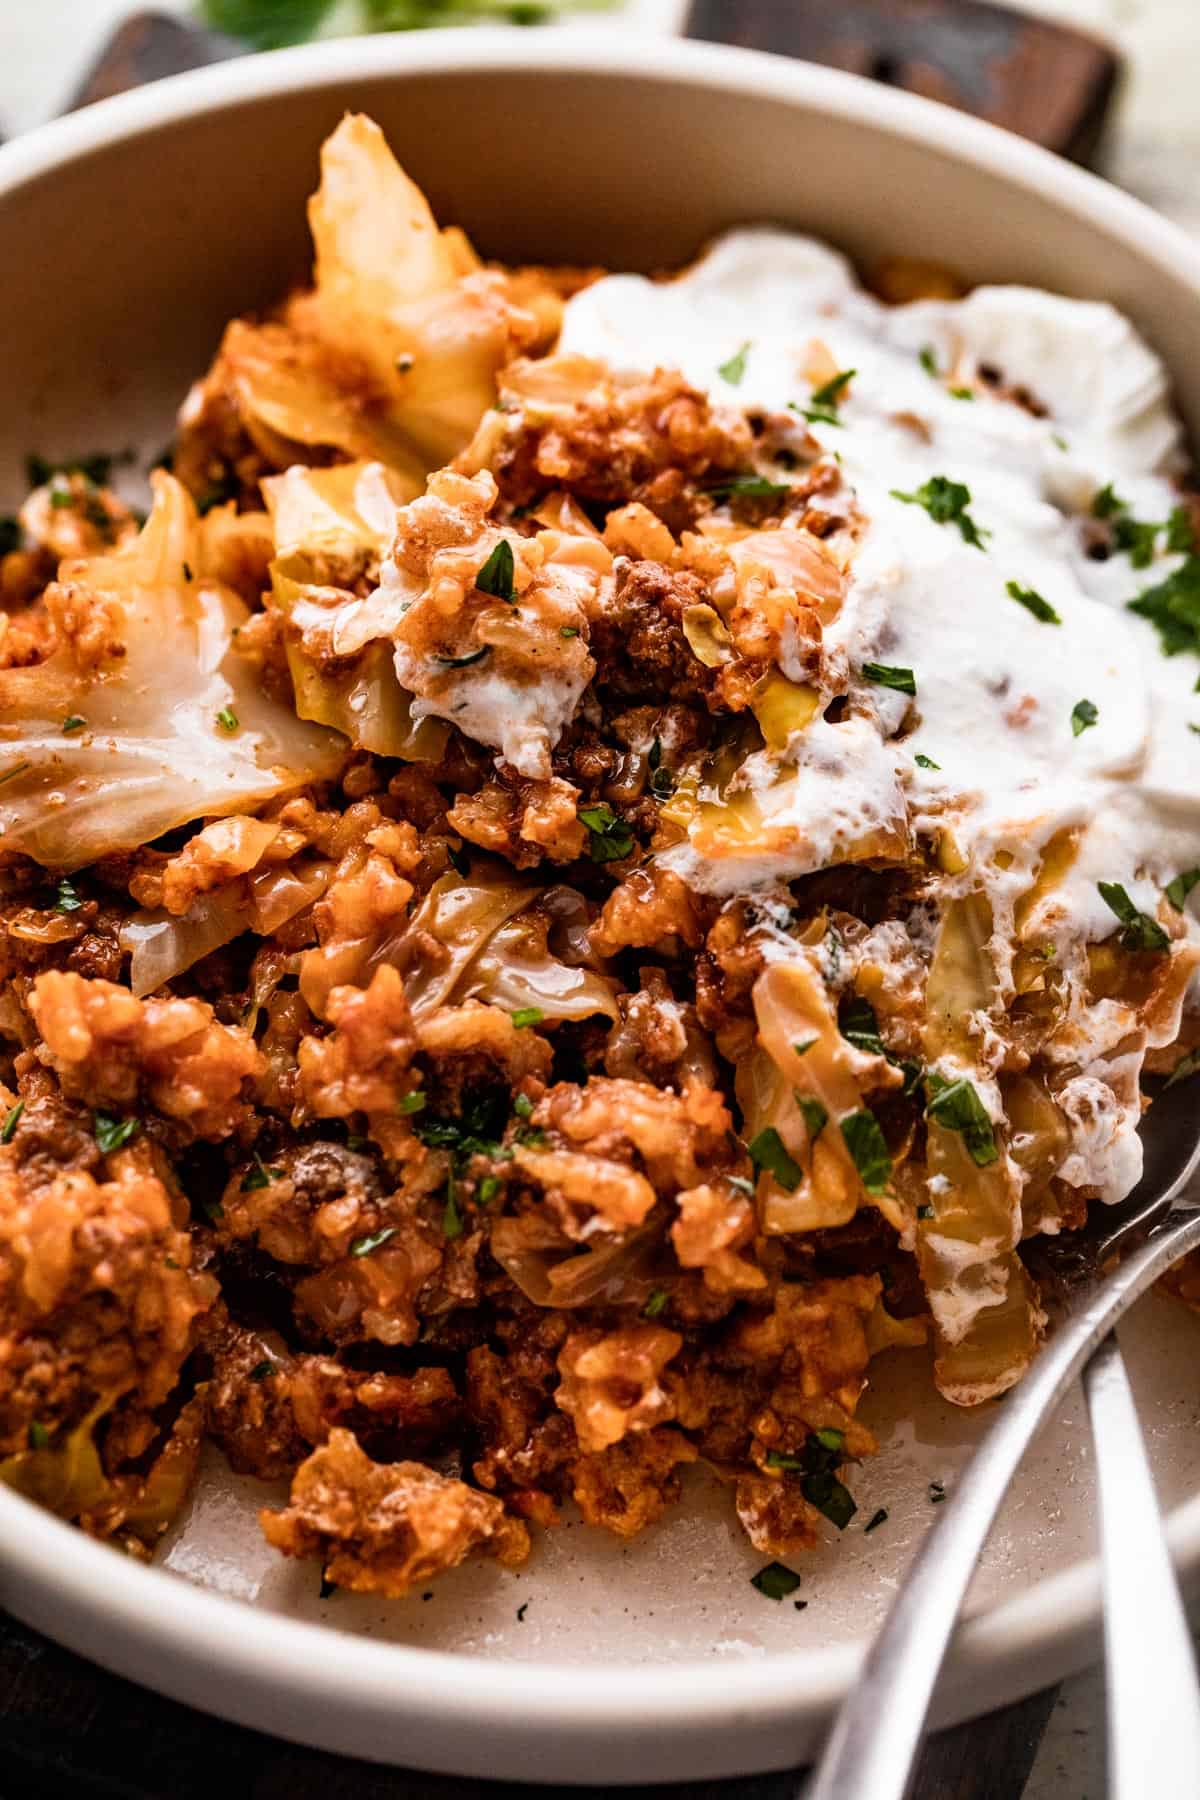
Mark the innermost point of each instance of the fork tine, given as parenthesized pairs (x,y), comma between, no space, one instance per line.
(1153,1697)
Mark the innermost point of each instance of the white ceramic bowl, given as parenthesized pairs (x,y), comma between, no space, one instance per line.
(128,234)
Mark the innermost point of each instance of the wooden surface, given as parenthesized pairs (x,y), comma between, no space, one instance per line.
(67,1727)
(1045,81)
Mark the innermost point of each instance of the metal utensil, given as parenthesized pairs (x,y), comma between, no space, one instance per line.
(876,1735)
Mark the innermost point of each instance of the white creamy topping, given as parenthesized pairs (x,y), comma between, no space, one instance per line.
(996,687)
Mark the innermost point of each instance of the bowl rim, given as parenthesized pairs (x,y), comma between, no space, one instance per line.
(262,1651)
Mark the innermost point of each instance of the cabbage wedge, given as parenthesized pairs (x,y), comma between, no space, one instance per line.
(175,726)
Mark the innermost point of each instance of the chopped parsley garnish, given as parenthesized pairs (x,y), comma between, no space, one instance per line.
(11,774)
(411,1103)
(1173,608)
(535,1140)
(877,1518)
(928,360)
(568,631)
(38,1436)
(733,370)
(212,1209)
(768,1151)
(1141,931)
(825,400)
(946,502)
(859,1026)
(820,1486)
(489,1187)
(925,762)
(1178,890)
(258,1176)
(496,575)
(775,1582)
(655,1304)
(227,719)
(1181,538)
(1187,1065)
(1083,714)
(1033,603)
(113,1134)
(463,662)
(262,1371)
(187,572)
(959,393)
(779,1459)
(452,1225)
(73,722)
(884,675)
(815,1116)
(747,487)
(610,838)
(527,1015)
(800,1605)
(12,1119)
(1107,504)
(803,1046)
(868,1150)
(523,1106)
(66,899)
(956,1106)
(373,1240)
(830,1438)
(356,1143)
(1138,537)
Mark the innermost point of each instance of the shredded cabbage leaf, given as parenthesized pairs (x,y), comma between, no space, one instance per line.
(177,727)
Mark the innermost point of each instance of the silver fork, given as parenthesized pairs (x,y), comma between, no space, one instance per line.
(1151,1678)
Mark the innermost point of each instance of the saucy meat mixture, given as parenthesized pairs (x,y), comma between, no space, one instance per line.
(382,1100)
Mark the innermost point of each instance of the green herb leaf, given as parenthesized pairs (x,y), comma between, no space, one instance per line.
(655,1304)
(568,631)
(523,1106)
(768,1151)
(885,676)
(830,1438)
(928,360)
(820,1486)
(1106,504)
(959,393)
(66,898)
(11,774)
(833,392)
(463,662)
(496,575)
(411,1103)
(925,762)
(803,1047)
(1141,932)
(747,487)
(733,370)
(73,722)
(1033,603)
(775,1582)
(877,1518)
(37,1436)
(1187,1065)
(12,1119)
(258,1176)
(489,1187)
(815,1116)
(112,1134)
(868,1150)
(1181,538)
(610,838)
(956,1106)
(227,719)
(373,1240)
(946,502)
(1138,538)
(1178,890)
(925,1211)
(262,1371)
(654,756)
(266,24)
(859,1026)
(1173,608)
(527,1015)
(1083,714)
(452,1225)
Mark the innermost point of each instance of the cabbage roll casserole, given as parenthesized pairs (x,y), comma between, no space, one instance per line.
(608,850)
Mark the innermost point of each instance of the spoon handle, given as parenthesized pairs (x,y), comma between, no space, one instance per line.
(878,1730)
(1153,1698)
